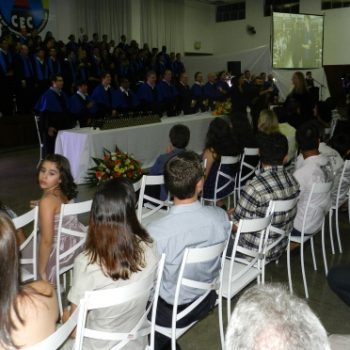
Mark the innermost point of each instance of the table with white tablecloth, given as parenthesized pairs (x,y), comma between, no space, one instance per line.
(144,142)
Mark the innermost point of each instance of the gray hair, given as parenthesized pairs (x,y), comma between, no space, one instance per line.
(267,317)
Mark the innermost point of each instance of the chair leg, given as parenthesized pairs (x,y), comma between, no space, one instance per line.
(337,228)
(303,269)
(221,324)
(324,252)
(289,269)
(330,222)
(313,253)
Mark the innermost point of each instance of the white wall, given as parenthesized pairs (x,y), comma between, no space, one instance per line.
(198,23)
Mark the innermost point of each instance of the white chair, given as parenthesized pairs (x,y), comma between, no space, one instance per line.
(246,167)
(288,207)
(196,256)
(153,208)
(343,189)
(56,340)
(227,171)
(317,189)
(117,296)
(68,210)
(239,271)
(19,222)
(38,132)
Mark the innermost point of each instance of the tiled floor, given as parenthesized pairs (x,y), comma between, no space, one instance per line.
(18,186)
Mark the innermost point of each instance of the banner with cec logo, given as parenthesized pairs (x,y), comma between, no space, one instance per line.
(18,15)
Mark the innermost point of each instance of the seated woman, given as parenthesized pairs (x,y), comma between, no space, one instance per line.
(56,182)
(118,251)
(219,142)
(28,313)
(268,123)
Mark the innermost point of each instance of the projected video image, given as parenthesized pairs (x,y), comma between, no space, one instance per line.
(297,41)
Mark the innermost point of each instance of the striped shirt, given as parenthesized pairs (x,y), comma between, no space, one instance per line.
(273,183)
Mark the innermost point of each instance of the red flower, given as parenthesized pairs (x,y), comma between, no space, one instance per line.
(99,174)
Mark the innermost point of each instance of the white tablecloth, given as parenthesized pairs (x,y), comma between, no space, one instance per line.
(145,142)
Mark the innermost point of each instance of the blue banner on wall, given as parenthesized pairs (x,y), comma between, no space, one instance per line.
(17,15)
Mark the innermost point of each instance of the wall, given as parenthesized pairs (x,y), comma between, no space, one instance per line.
(198,21)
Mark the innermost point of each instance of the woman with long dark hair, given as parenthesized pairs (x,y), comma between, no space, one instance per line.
(28,313)
(118,251)
(219,142)
(56,182)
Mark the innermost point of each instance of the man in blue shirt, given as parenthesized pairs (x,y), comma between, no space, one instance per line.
(188,224)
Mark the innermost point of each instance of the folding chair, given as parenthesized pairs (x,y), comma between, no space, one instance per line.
(317,189)
(148,207)
(195,256)
(227,175)
(94,300)
(247,170)
(68,210)
(56,340)
(38,132)
(342,195)
(239,271)
(19,222)
(288,207)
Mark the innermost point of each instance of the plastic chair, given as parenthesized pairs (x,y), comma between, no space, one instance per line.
(116,296)
(341,197)
(68,210)
(38,131)
(196,256)
(56,340)
(246,170)
(19,222)
(317,188)
(239,271)
(153,208)
(228,173)
(288,207)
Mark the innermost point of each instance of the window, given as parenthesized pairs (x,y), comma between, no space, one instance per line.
(232,12)
(334,4)
(288,6)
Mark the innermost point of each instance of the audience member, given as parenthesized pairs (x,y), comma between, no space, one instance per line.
(118,251)
(56,182)
(219,142)
(29,312)
(273,183)
(312,168)
(267,317)
(268,122)
(188,224)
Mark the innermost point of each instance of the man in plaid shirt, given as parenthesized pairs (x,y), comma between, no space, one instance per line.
(273,183)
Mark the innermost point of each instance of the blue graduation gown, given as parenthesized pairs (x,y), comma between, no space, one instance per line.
(122,103)
(79,108)
(147,97)
(103,101)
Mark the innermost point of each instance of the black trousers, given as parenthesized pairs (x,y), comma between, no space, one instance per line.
(165,312)
(339,281)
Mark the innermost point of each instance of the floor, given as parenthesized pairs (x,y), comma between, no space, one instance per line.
(18,186)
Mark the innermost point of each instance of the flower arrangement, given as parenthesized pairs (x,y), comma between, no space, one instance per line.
(222,108)
(114,164)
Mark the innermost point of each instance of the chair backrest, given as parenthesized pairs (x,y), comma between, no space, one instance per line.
(56,340)
(196,256)
(69,209)
(38,132)
(287,207)
(343,185)
(117,296)
(21,221)
(317,188)
(153,204)
(228,173)
(253,259)
(247,170)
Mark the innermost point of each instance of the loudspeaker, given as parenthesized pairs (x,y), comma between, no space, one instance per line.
(234,67)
